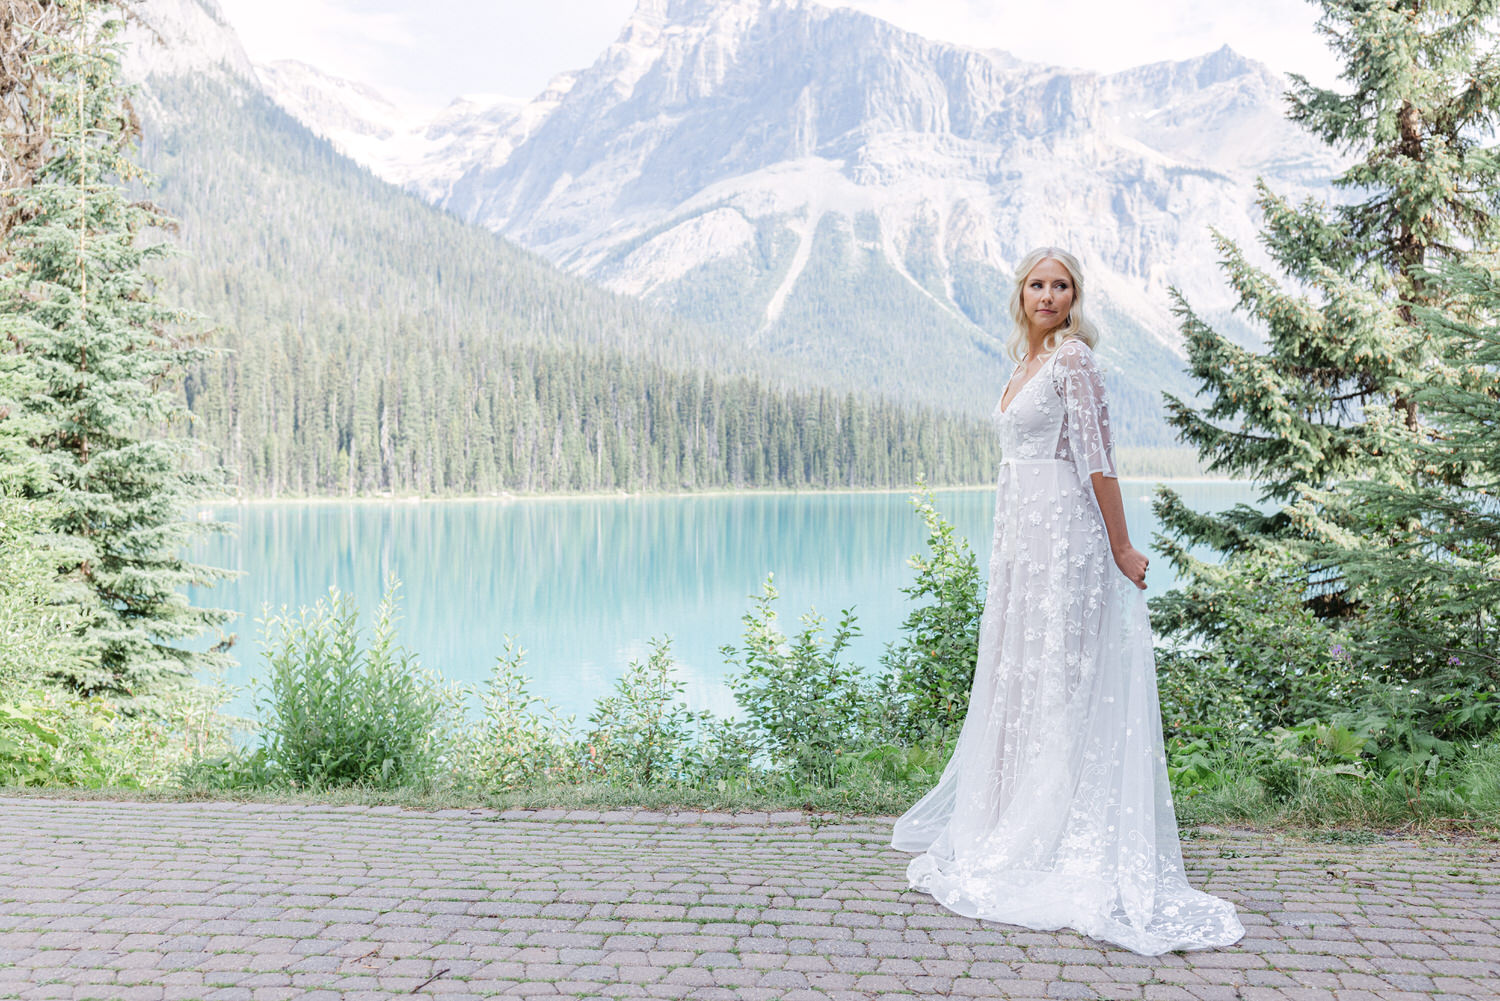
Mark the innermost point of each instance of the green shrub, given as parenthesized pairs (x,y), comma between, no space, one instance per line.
(1269,661)
(49,734)
(806,707)
(898,764)
(930,669)
(52,737)
(333,713)
(642,735)
(723,755)
(1394,740)
(522,741)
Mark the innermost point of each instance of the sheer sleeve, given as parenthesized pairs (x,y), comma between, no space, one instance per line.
(1086,430)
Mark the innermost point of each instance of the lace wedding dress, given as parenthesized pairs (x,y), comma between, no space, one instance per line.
(1054,810)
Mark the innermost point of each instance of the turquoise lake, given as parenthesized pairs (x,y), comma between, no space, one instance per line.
(583,584)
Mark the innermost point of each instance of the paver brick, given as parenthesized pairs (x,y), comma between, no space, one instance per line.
(250,901)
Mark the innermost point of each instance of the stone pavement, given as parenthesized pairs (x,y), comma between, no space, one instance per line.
(215,900)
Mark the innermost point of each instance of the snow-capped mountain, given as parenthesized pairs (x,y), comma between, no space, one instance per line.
(832,190)
(183,38)
(836,188)
(404,146)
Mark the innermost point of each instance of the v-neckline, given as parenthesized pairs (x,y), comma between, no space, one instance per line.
(1022,387)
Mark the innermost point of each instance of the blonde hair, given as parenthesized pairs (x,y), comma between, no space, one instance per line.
(1077,323)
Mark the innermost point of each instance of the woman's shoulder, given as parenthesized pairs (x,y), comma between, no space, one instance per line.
(1074,352)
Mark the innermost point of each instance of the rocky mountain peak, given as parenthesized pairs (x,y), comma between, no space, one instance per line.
(181,38)
(338,106)
(823,184)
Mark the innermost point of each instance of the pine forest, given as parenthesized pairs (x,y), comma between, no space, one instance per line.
(370,344)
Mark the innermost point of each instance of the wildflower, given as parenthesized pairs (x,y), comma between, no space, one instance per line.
(1453,661)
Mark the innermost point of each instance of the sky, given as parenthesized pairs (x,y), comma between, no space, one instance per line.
(423,53)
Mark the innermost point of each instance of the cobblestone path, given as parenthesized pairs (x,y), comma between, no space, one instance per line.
(194,900)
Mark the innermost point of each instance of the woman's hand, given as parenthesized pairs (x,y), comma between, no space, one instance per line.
(1132,564)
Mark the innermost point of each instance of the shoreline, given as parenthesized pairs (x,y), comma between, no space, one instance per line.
(508,498)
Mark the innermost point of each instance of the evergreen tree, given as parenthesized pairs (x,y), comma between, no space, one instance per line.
(103,362)
(1451,559)
(1335,395)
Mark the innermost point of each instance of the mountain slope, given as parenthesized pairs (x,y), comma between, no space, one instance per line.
(844,193)
(399,145)
(371,343)
(261,199)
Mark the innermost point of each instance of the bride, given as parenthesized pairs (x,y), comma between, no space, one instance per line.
(1054,810)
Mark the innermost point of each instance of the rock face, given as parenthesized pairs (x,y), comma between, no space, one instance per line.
(851,196)
(839,190)
(183,38)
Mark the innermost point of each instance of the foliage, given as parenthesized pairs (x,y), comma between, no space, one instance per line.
(28,28)
(1439,579)
(1303,658)
(641,733)
(1255,658)
(1333,397)
(522,740)
(1384,731)
(35,634)
(807,708)
(101,361)
(53,737)
(1322,773)
(336,713)
(930,670)
(478,368)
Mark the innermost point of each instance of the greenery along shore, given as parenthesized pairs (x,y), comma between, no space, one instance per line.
(507,497)
(1338,661)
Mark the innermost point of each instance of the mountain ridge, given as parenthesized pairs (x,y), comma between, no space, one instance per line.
(696,161)
(826,189)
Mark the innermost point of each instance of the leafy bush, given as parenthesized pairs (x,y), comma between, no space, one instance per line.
(522,740)
(805,706)
(1405,737)
(642,735)
(930,670)
(918,765)
(1269,661)
(335,714)
(49,736)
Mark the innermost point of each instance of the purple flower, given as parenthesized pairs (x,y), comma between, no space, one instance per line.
(1453,661)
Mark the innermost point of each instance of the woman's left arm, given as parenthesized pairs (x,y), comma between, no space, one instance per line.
(1132,562)
(1092,443)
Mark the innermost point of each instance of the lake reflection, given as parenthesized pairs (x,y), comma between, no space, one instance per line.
(584,583)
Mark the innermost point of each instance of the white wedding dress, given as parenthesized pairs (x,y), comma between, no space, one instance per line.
(1054,810)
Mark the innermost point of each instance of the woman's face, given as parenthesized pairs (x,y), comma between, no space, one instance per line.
(1046,296)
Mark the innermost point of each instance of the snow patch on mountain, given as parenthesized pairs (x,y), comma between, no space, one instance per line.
(667,256)
(183,38)
(408,147)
